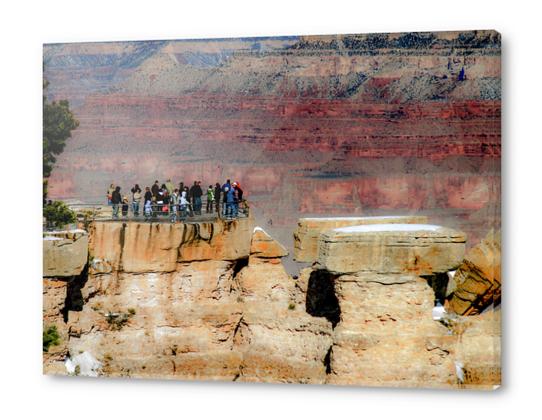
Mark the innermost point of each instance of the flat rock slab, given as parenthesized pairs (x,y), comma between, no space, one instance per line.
(391,248)
(309,230)
(65,253)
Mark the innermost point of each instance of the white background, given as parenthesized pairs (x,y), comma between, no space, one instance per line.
(25,26)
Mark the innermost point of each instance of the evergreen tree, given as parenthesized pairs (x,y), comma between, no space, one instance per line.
(58,124)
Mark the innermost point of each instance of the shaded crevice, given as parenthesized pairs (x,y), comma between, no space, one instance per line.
(439,283)
(327,360)
(238,265)
(122,239)
(74,300)
(321,300)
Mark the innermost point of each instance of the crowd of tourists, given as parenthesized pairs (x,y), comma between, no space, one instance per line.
(177,202)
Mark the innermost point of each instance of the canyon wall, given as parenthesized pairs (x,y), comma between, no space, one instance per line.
(187,301)
(213,301)
(320,125)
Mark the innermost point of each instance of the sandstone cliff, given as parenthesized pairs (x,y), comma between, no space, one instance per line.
(213,301)
(187,301)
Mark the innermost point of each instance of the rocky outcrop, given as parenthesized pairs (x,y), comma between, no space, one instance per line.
(264,246)
(368,283)
(391,248)
(478,349)
(386,335)
(213,301)
(309,229)
(477,281)
(134,247)
(279,340)
(193,301)
(54,302)
(65,253)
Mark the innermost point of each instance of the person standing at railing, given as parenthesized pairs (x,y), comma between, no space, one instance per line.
(148,209)
(136,199)
(155,189)
(218,193)
(159,201)
(183,204)
(238,195)
(174,203)
(125,206)
(231,198)
(169,186)
(116,200)
(110,194)
(239,191)
(196,192)
(225,188)
(147,196)
(189,202)
(210,199)
(167,200)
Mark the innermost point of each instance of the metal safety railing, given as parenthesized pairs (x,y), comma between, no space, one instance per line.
(157,211)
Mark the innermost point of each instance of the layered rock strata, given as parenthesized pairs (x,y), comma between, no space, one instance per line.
(478,349)
(309,229)
(477,281)
(193,301)
(391,248)
(213,301)
(384,333)
(64,253)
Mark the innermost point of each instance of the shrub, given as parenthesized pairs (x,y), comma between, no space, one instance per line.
(118,320)
(50,337)
(291,306)
(58,214)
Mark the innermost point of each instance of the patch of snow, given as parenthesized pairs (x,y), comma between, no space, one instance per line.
(355,218)
(438,312)
(451,275)
(52,238)
(88,365)
(63,232)
(460,373)
(388,227)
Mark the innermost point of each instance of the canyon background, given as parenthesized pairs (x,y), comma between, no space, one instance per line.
(347,125)
(523,159)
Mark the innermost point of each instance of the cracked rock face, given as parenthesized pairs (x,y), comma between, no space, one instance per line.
(309,230)
(386,335)
(213,301)
(391,248)
(478,279)
(208,301)
(64,253)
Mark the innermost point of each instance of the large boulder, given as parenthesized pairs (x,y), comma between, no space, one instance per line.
(391,248)
(138,247)
(478,279)
(65,253)
(309,229)
(264,246)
